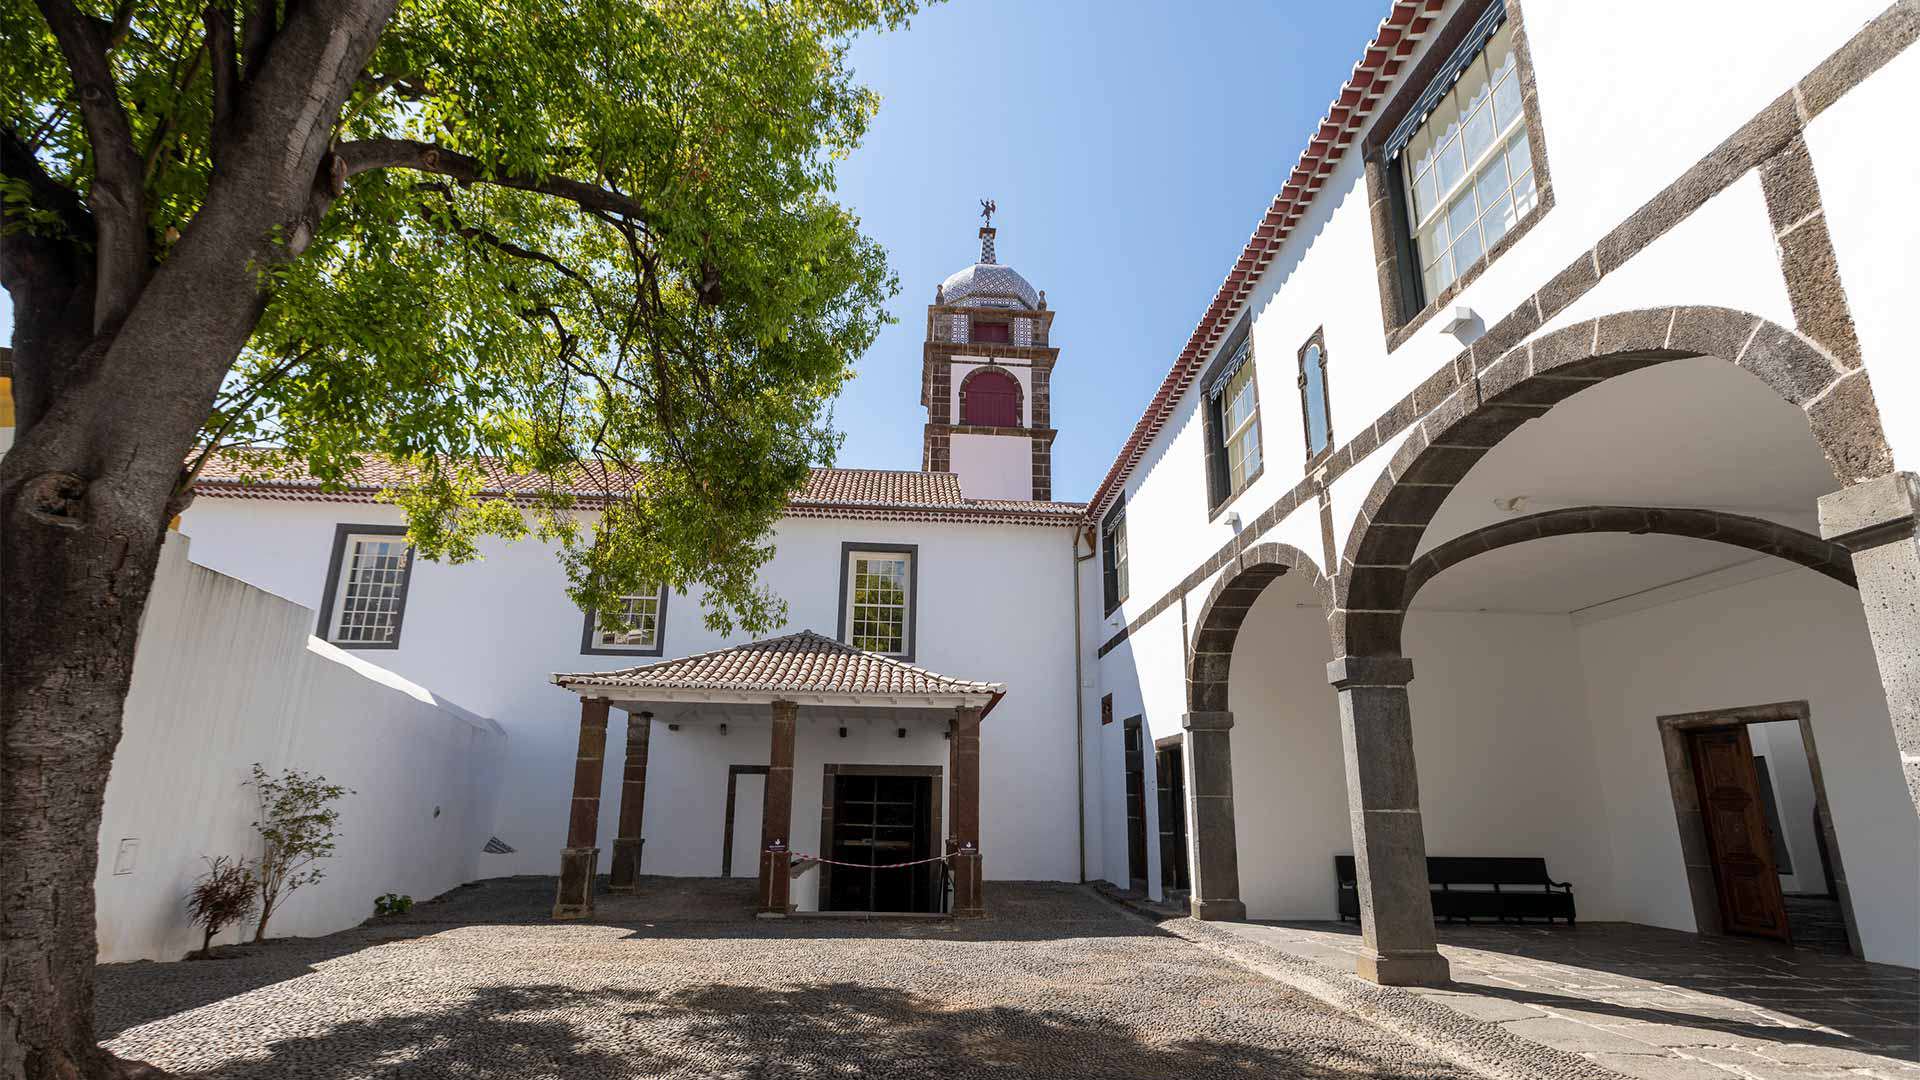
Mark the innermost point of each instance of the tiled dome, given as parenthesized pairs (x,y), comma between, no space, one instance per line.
(990,285)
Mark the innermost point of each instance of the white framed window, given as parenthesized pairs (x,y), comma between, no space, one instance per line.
(876,590)
(1468,168)
(639,626)
(1240,427)
(367,583)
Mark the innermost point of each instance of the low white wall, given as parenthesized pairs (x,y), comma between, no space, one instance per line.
(228,675)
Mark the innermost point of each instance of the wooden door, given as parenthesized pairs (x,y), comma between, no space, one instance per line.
(1170,771)
(1136,804)
(1737,836)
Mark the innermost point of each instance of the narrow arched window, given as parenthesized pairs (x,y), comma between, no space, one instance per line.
(990,399)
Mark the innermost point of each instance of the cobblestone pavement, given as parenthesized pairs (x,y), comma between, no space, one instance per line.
(1660,1004)
(677,983)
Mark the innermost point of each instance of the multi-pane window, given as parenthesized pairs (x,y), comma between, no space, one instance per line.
(1315,401)
(879,599)
(1113,558)
(637,622)
(369,589)
(1240,427)
(1468,169)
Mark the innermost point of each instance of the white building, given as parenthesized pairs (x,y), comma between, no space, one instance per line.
(1568,370)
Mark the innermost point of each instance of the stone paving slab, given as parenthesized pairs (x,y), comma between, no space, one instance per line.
(1658,1004)
(680,981)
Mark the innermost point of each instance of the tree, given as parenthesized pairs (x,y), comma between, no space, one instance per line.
(221,897)
(583,244)
(297,819)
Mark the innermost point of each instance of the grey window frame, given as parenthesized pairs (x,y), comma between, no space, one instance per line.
(590,646)
(1220,488)
(331,588)
(912,552)
(1113,585)
(1317,339)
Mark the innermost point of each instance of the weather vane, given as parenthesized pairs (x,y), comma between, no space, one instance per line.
(986,210)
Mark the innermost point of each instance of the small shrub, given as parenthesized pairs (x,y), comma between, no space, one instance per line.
(297,820)
(222,896)
(392,904)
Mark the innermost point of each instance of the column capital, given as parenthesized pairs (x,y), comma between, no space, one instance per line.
(1207,721)
(1869,514)
(594,712)
(1347,672)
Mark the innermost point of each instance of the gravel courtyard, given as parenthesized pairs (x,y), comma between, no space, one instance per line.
(677,983)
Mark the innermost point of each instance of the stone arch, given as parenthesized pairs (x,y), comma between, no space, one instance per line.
(1226,607)
(1019,393)
(1736,530)
(1527,381)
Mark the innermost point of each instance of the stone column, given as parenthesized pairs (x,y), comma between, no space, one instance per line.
(1875,521)
(1209,809)
(963,809)
(1383,801)
(580,859)
(625,871)
(776,815)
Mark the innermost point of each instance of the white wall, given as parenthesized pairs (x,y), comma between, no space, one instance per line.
(1795,636)
(993,466)
(1793,796)
(995,603)
(227,675)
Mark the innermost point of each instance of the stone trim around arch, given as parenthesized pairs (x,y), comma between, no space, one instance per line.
(1019,395)
(1232,597)
(1736,530)
(1526,382)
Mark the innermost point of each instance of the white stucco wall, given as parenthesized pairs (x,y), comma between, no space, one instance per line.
(1780,744)
(1794,636)
(993,466)
(995,602)
(227,675)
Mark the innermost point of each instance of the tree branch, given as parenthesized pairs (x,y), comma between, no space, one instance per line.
(368,154)
(472,232)
(118,195)
(17,160)
(224,61)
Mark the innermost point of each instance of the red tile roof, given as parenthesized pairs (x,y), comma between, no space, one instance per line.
(800,664)
(868,494)
(1400,33)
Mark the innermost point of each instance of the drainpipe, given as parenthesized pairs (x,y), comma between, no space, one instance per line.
(1079,697)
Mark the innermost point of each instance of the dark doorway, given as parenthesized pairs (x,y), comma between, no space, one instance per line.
(1739,840)
(878,820)
(1136,804)
(1169,764)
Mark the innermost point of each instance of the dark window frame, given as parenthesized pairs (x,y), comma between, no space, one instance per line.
(912,552)
(1019,396)
(1318,339)
(590,647)
(1114,585)
(332,586)
(1220,489)
(1404,308)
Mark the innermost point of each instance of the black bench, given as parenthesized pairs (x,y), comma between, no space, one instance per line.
(1467,888)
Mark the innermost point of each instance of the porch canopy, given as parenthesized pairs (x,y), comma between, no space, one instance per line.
(777,675)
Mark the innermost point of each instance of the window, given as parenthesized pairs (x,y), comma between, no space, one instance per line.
(366,592)
(992,333)
(1231,412)
(1465,166)
(1113,558)
(877,585)
(990,398)
(641,627)
(1315,403)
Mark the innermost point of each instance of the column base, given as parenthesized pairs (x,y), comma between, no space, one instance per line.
(776,881)
(625,871)
(1217,910)
(1405,969)
(578,867)
(967,901)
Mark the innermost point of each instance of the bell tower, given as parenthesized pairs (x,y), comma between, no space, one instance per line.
(984,379)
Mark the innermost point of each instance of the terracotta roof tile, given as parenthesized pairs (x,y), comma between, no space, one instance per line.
(802,663)
(871,494)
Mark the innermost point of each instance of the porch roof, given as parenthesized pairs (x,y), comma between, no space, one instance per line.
(805,668)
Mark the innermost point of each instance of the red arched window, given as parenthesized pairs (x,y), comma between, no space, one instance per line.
(990,399)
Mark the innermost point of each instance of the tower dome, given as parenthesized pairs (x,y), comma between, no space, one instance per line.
(988,283)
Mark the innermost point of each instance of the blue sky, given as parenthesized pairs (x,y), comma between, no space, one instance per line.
(1131,146)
